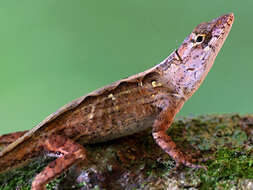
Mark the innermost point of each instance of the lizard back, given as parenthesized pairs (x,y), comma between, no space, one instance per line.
(122,108)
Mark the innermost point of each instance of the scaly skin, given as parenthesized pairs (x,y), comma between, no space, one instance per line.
(148,99)
(9,138)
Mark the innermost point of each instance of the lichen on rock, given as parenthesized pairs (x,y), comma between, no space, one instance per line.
(136,162)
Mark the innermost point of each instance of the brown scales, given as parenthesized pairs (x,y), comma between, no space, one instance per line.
(149,99)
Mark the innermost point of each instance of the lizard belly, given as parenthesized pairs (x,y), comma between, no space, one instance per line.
(117,131)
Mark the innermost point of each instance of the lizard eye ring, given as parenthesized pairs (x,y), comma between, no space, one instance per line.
(199,39)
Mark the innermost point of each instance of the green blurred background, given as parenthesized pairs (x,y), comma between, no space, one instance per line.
(54,51)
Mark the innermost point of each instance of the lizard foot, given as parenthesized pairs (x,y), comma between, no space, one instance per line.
(169,146)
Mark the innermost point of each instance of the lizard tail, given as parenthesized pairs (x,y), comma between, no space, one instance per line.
(19,149)
(10,137)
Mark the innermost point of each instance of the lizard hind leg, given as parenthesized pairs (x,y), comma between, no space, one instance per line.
(160,127)
(71,151)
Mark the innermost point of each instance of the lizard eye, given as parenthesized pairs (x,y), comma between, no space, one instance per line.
(199,39)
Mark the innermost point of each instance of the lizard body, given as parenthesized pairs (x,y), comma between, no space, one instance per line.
(148,99)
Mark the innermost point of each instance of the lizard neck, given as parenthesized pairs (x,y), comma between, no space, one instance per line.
(172,76)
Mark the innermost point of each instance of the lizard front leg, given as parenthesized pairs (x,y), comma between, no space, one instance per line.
(160,126)
(71,151)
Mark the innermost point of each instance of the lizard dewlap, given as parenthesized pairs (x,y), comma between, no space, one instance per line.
(150,99)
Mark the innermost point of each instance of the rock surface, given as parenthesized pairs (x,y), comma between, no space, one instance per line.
(136,162)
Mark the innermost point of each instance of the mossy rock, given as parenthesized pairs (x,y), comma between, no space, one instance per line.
(136,162)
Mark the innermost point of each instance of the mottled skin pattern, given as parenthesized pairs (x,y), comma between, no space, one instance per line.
(149,99)
(9,138)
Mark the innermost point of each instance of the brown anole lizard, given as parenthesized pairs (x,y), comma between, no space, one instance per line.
(148,99)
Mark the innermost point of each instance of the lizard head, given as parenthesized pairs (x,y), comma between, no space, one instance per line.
(197,53)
